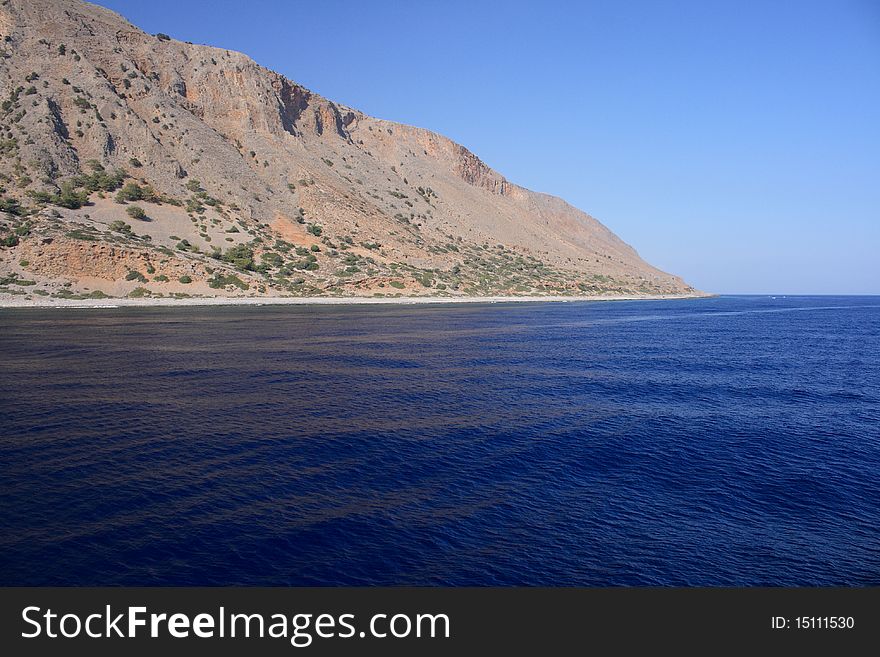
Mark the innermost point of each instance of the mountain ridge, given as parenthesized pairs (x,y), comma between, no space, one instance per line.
(251,184)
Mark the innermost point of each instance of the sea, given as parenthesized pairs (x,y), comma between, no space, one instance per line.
(727,441)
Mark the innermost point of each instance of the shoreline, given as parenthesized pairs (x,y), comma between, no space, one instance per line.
(169,302)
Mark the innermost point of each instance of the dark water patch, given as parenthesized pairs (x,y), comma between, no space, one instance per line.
(726,441)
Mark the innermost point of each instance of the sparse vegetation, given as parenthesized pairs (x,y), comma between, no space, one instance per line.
(218,281)
(46,195)
(86,235)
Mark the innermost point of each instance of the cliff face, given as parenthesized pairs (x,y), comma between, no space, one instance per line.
(252,184)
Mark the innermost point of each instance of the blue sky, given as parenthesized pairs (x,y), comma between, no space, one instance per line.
(734,143)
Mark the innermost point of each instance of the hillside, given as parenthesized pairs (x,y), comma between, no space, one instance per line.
(137,165)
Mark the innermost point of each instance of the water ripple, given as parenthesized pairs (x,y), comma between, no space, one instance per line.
(727,441)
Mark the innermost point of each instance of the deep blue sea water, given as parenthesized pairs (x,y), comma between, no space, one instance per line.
(724,441)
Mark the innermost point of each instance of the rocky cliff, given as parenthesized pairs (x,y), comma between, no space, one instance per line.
(137,165)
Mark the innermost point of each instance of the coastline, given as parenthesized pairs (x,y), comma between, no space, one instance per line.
(168,302)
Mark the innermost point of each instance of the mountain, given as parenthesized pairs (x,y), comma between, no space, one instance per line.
(137,165)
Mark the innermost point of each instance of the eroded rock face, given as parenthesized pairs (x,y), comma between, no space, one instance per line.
(249,156)
(473,171)
(98,260)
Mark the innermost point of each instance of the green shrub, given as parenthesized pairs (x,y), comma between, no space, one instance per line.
(99,180)
(70,197)
(219,281)
(240,256)
(120,227)
(136,212)
(12,206)
(272,259)
(185,279)
(193,205)
(81,234)
(130,192)
(397,284)
(315,230)
(40,196)
(135,276)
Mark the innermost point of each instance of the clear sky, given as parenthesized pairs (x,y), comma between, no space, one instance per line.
(734,143)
